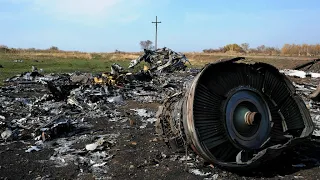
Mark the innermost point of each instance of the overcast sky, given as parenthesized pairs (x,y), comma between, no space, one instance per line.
(187,25)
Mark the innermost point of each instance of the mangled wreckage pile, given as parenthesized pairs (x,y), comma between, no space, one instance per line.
(162,60)
(232,114)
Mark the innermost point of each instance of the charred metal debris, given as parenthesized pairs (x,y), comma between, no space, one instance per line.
(162,60)
(62,109)
(236,115)
(232,114)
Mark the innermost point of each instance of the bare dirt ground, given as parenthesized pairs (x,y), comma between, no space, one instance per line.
(132,150)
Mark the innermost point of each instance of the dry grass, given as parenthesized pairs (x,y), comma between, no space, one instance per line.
(198,57)
(77,55)
(64,55)
(114,56)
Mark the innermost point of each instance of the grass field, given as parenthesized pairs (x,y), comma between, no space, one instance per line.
(60,62)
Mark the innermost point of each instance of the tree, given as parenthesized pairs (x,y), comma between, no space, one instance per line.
(261,48)
(272,51)
(3,47)
(213,50)
(146,44)
(286,49)
(232,47)
(54,48)
(245,46)
(317,49)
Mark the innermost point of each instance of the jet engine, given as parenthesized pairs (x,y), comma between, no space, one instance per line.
(235,115)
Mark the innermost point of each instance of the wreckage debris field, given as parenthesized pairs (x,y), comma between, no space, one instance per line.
(78,125)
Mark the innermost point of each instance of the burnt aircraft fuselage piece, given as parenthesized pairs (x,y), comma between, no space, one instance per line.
(236,115)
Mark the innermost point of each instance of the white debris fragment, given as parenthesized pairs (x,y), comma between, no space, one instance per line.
(115,99)
(133,63)
(297,73)
(91,147)
(214,177)
(152,120)
(298,177)
(99,165)
(91,161)
(198,172)
(32,148)
(22,120)
(6,134)
(191,164)
(2,117)
(143,126)
(147,117)
(72,101)
(143,112)
(184,158)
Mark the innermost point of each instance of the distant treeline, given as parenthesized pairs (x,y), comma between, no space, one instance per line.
(244,48)
(52,49)
(287,49)
(6,49)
